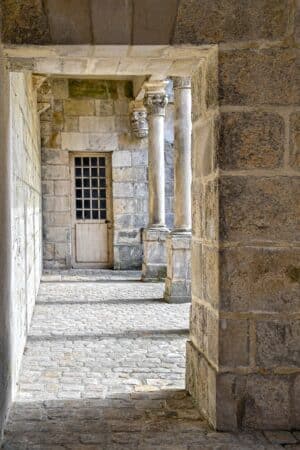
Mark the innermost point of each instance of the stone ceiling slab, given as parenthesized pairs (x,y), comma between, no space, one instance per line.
(69,21)
(112,21)
(153,21)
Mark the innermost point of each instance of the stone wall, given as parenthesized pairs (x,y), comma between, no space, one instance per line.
(93,115)
(243,359)
(5,246)
(26,211)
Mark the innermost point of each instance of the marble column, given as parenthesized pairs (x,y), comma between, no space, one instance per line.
(178,280)
(154,236)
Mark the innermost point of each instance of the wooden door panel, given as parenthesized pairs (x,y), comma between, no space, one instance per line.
(91,243)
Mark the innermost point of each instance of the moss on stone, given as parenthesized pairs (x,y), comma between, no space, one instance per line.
(101,89)
(128,89)
(294,274)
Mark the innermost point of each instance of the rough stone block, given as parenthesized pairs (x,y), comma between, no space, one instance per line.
(155,258)
(123,190)
(210,275)
(61,251)
(198,103)
(127,174)
(55,172)
(208,23)
(280,437)
(104,107)
(211,210)
(51,141)
(122,124)
(203,145)
(71,123)
(201,382)
(99,89)
(258,279)
(197,209)
(197,269)
(233,343)
(295,140)
(177,291)
(59,219)
(178,281)
(204,330)
(62,187)
(55,203)
(57,234)
(127,237)
(96,124)
(55,156)
(296,403)
(140,190)
(75,141)
(79,107)
(121,107)
(253,401)
(125,205)
(121,159)
(275,71)
(251,140)
(48,251)
(278,343)
(130,257)
(48,188)
(59,88)
(259,208)
(103,141)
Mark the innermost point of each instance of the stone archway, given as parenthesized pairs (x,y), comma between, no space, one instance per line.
(245,248)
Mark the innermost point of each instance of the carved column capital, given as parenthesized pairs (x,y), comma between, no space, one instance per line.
(155,98)
(138,119)
(182,83)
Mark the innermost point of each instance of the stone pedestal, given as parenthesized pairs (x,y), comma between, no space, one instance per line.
(178,280)
(154,263)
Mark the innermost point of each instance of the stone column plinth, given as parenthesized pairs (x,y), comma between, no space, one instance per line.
(154,236)
(178,281)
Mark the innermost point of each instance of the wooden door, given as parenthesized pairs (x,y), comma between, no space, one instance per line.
(92,214)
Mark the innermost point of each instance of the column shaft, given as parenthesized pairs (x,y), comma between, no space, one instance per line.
(182,157)
(156,171)
(154,237)
(178,280)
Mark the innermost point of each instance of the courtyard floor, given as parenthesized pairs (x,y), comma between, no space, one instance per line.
(104,369)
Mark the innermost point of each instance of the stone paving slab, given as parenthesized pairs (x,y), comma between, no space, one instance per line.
(104,369)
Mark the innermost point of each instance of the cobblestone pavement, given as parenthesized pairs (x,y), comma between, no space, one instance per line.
(104,369)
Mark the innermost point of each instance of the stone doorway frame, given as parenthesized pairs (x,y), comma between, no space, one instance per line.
(155,62)
(227,381)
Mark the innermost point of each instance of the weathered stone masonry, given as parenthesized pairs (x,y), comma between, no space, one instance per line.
(243,364)
(26,207)
(93,115)
(244,356)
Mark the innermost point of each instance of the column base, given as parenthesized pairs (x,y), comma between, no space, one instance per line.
(155,260)
(178,280)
